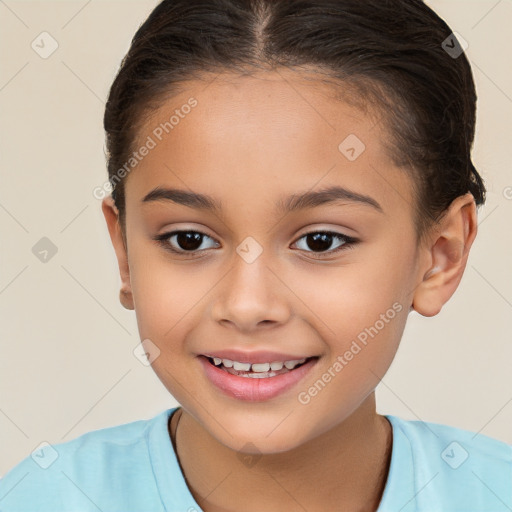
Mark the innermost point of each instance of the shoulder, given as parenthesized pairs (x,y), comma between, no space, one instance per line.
(454,442)
(451,463)
(77,472)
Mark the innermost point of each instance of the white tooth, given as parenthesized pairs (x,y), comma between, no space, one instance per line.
(227,363)
(217,361)
(260,367)
(244,367)
(260,375)
(292,364)
(277,365)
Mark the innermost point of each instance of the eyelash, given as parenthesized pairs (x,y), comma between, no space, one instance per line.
(349,242)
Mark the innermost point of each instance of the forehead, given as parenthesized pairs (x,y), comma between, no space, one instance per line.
(272,132)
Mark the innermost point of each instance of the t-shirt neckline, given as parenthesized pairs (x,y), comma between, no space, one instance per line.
(176,495)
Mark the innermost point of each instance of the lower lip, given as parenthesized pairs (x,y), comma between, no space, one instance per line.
(252,389)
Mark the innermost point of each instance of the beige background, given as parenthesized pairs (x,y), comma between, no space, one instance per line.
(67,364)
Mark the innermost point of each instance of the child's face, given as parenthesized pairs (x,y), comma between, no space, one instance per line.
(249,143)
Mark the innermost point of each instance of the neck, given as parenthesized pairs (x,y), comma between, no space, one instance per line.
(343,469)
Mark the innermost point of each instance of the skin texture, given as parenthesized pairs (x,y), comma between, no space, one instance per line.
(249,142)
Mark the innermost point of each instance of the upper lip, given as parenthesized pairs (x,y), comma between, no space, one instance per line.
(260,356)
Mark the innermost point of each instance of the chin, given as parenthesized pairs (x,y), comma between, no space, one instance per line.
(259,436)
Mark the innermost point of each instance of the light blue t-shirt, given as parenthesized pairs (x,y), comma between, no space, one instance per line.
(133,468)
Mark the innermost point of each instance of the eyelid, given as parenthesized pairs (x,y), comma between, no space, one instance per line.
(331,231)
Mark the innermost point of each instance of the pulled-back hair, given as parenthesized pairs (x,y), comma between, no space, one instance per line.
(389,53)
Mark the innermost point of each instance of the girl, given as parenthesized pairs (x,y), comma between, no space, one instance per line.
(290,179)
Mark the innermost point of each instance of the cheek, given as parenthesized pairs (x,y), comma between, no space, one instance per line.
(166,293)
(344,300)
(166,302)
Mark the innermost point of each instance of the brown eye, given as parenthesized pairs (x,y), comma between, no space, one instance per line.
(188,240)
(321,242)
(183,241)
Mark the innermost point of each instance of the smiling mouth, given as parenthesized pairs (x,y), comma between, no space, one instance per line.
(258,370)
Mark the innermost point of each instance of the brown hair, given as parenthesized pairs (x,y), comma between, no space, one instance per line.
(392,53)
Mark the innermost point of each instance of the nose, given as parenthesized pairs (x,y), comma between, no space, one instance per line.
(251,296)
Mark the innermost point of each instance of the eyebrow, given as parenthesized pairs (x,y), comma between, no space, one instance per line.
(308,199)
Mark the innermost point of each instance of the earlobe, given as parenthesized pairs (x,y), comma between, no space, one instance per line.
(111,214)
(447,255)
(126,299)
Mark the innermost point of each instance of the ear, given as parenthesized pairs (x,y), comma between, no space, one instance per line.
(111,214)
(448,251)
